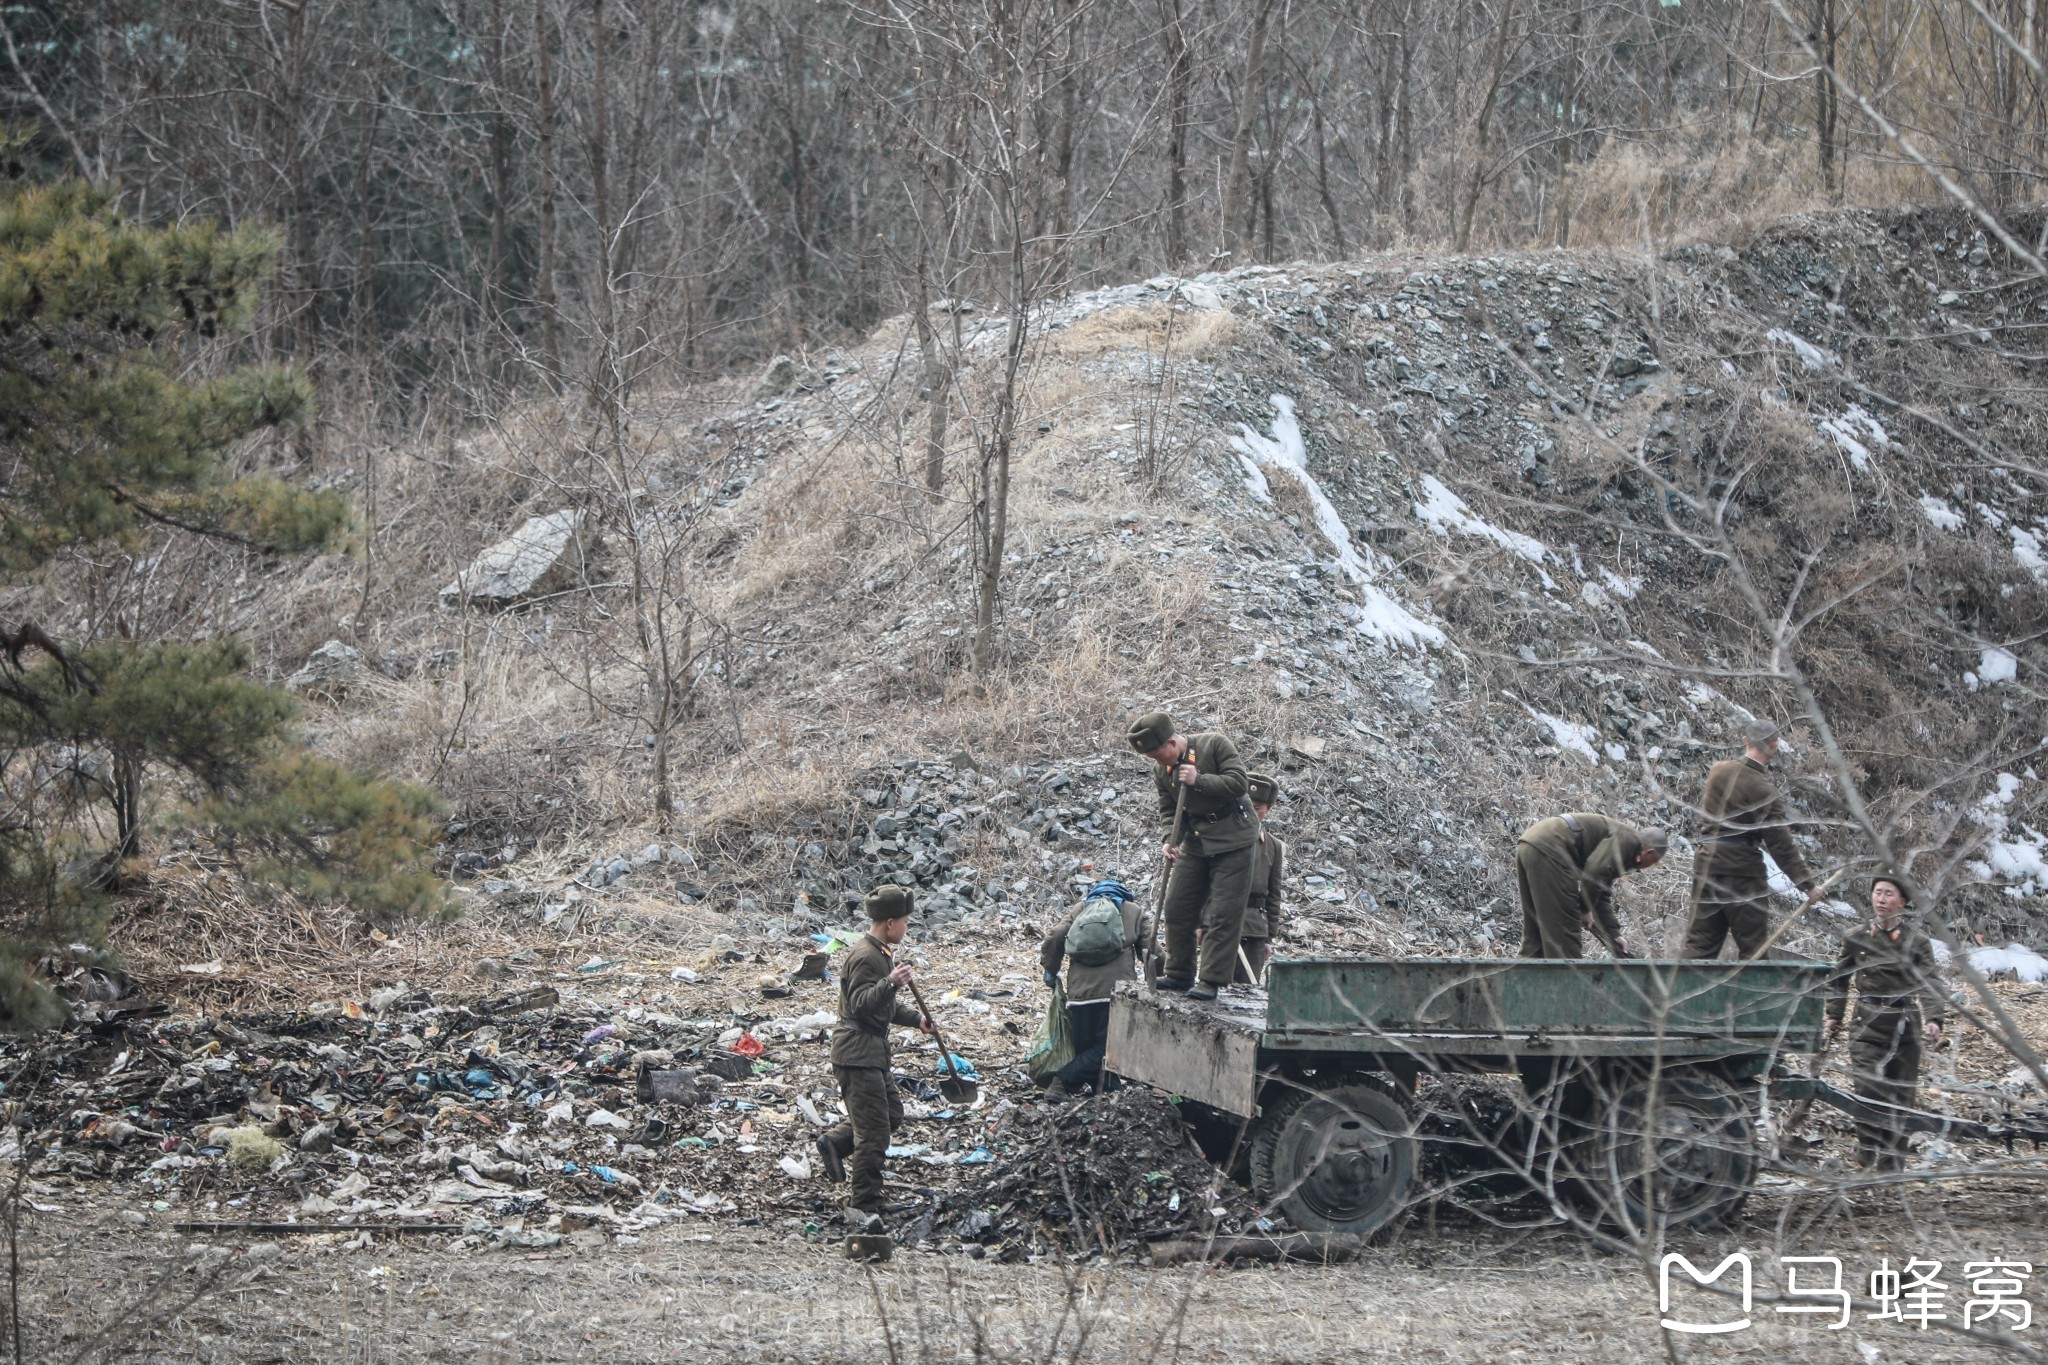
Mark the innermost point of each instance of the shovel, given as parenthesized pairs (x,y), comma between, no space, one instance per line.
(953,1086)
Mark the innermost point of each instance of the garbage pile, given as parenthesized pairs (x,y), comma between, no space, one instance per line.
(517,1119)
(1109,1175)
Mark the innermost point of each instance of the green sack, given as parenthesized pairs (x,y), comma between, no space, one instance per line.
(1053,1046)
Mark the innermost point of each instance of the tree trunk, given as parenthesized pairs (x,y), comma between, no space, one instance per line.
(1323,172)
(1462,235)
(1567,125)
(1237,180)
(501,177)
(1180,81)
(544,291)
(938,380)
(1825,113)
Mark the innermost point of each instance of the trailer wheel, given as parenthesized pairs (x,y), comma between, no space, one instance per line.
(1677,1155)
(1337,1159)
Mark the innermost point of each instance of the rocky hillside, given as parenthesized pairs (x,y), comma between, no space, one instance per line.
(1449,543)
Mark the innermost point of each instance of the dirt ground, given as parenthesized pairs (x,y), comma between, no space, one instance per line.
(97,1287)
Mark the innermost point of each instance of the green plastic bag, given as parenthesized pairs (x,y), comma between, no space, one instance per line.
(1053,1045)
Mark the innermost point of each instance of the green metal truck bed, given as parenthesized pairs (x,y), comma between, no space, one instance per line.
(1462,1014)
(1467,1004)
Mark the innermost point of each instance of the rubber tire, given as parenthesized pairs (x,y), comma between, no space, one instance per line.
(1706,1160)
(1370,1187)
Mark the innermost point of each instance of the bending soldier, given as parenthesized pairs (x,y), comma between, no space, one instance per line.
(1898,1002)
(1099,940)
(1730,890)
(1565,871)
(855,1149)
(1269,865)
(1212,867)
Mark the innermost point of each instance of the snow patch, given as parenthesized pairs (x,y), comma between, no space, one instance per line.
(1811,356)
(2026,548)
(1443,513)
(1995,666)
(1938,511)
(1624,588)
(1381,616)
(1569,734)
(2019,858)
(2023,962)
(1855,431)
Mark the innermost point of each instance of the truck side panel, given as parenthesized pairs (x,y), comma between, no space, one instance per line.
(1184,1052)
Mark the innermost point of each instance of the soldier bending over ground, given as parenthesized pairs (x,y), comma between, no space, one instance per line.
(1565,871)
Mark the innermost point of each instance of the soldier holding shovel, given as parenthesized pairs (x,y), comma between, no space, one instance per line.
(1202,777)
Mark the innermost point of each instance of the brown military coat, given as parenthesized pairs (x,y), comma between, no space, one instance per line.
(1744,816)
(1269,865)
(1894,971)
(1218,813)
(1595,857)
(867,1005)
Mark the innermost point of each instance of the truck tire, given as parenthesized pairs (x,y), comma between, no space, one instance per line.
(1337,1159)
(1680,1157)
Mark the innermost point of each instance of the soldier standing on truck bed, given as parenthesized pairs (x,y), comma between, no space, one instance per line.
(1891,964)
(1212,866)
(1730,889)
(1565,871)
(1269,865)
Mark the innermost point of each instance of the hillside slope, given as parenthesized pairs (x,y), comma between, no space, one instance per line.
(1449,543)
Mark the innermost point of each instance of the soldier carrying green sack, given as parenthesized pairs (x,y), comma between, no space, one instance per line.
(854,1150)
(1098,940)
(1211,877)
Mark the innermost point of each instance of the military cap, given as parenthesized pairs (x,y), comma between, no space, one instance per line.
(1262,789)
(890,902)
(1760,732)
(1654,840)
(1151,731)
(1897,879)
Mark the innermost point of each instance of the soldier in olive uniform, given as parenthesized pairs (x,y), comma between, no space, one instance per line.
(1212,867)
(1730,890)
(868,980)
(1898,1003)
(1269,865)
(1565,871)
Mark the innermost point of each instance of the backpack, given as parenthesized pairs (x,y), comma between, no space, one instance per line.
(1096,936)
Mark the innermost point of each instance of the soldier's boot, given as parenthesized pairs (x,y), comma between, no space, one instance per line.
(830,1161)
(1202,991)
(864,1221)
(1057,1092)
(1172,983)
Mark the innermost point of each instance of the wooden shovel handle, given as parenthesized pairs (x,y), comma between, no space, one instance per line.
(944,1051)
